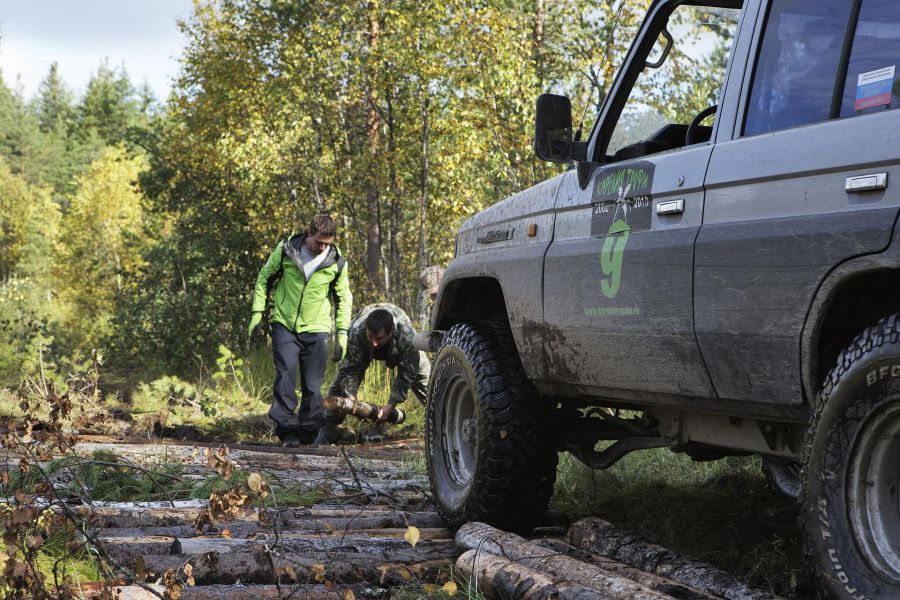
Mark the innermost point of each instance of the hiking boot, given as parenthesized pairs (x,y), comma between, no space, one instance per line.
(328,434)
(290,440)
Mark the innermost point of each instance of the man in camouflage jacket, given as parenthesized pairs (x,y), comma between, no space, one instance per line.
(380,332)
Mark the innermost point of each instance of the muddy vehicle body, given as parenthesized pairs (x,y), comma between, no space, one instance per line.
(729,273)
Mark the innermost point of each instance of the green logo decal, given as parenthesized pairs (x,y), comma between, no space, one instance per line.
(611,256)
(621,204)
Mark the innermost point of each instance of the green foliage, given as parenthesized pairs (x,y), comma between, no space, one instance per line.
(110,104)
(400,118)
(228,404)
(100,247)
(54,103)
(29,226)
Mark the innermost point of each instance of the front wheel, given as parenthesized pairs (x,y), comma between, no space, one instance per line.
(489,438)
(852,471)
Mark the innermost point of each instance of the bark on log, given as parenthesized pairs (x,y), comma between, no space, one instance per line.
(267,592)
(381,568)
(433,543)
(389,450)
(660,584)
(600,537)
(359,517)
(498,577)
(559,566)
(118,527)
(250,592)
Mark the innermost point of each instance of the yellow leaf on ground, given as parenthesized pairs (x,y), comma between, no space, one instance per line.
(254,481)
(226,534)
(411,535)
(449,588)
(348,595)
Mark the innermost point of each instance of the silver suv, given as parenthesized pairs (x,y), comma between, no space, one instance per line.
(720,260)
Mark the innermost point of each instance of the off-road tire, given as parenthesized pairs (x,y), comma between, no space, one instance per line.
(504,473)
(851,479)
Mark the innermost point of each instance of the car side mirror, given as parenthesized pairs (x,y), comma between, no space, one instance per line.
(553,128)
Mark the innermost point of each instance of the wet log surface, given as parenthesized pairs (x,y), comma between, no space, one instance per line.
(354,541)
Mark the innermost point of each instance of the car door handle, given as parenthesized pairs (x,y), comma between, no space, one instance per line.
(866,183)
(675,207)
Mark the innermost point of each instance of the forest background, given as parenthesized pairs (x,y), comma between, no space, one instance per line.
(135,226)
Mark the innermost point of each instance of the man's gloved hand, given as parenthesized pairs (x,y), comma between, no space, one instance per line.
(386,413)
(340,347)
(255,325)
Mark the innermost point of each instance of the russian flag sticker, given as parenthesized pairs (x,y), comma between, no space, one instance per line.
(874,88)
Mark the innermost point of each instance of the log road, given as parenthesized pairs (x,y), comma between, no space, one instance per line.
(356,543)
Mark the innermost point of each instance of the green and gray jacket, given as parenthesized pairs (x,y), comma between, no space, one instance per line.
(305,306)
(399,353)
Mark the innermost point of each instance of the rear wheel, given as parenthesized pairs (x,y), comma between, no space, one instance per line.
(852,474)
(489,437)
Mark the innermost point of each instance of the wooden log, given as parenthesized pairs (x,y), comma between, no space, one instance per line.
(267,592)
(600,537)
(388,450)
(248,527)
(655,582)
(382,568)
(194,460)
(433,543)
(125,592)
(139,516)
(559,566)
(360,409)
(499,577)
(248,592)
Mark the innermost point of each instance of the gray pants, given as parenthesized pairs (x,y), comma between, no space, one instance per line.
(419,387)
(309,351)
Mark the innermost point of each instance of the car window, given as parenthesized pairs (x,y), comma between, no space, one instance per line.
(794,79)
(871,84)
(688,81)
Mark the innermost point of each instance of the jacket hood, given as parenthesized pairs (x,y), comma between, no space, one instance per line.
(293,244)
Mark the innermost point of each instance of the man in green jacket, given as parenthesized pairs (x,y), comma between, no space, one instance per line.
(379,332)
(310,278)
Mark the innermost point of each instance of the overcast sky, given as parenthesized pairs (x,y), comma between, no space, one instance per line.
(78,34)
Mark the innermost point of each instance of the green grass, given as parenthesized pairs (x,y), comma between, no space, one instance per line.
(231,404)
(82,565)
(719,512)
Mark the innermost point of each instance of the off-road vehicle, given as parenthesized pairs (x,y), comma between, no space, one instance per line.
(720,259)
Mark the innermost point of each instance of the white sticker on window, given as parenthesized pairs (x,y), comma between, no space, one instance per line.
(874,88)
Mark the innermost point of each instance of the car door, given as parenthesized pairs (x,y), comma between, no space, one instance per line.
(799,188)
(618,275)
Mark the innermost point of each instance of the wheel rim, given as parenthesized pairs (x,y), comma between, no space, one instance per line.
(873,494)
(458,433)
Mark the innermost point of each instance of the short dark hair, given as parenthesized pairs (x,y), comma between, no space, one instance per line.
(380,320)
(323,225)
